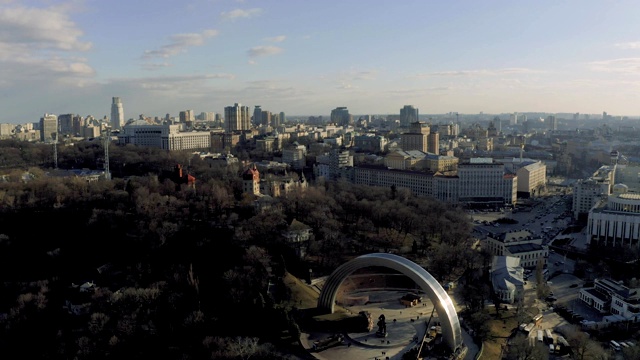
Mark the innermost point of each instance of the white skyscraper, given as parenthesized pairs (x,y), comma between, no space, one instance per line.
(117,114)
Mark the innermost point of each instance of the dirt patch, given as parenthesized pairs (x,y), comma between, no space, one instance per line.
(500,330)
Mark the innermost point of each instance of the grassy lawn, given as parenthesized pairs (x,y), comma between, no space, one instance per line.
(500,331)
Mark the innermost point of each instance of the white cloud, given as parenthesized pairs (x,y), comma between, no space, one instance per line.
(241,13)
(623,65)
(276,39)
(365,75)
(481,72)
(40,29)
(155,66)
(179,43)
(258,51)
(37,45)
(628,45)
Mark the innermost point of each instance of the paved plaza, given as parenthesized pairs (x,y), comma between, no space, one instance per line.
(405,325)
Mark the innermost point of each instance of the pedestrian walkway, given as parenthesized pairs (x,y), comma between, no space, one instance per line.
(405,328)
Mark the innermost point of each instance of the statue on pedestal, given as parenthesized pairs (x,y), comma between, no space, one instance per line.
(382,326)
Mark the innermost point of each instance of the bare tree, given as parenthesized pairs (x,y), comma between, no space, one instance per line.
(521,348)
(583,347)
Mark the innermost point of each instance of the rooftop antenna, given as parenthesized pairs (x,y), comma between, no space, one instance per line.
(106,139)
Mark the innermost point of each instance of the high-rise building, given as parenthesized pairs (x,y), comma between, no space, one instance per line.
(433,143)
(48,128)
(265,118)
(275,120)
(408,115)
(513,119)
(416,138)
(236,118)
(117,114)
(498,124)
(187,117)
(206,116)
(69,124)
(552,123)
(283,118)
(341,117)
(257,115)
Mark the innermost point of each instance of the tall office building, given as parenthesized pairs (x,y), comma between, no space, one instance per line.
(283,118)
(117,114)
(341,117)
(408,115)
(236,118)
(48,128)
(265,118)
(257,115)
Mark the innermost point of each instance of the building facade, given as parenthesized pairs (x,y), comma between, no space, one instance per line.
(166,137)
(615,222)
(484,181)
(532,179)
(341,117)
(236,118)
(521,244)
(117,113)
(416,138)
(49,128)
(507,278)
(609,296)
(408,115)
(586,193)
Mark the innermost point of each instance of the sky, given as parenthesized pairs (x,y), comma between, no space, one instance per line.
(308,57)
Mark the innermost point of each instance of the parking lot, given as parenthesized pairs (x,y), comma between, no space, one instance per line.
(545,217)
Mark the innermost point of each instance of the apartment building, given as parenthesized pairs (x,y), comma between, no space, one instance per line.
(587,192)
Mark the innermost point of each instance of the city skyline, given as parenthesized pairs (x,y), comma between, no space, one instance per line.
(163,57)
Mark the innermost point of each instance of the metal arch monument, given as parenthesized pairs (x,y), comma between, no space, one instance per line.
(444,306)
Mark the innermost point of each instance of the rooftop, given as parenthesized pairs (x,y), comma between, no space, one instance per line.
(524,248)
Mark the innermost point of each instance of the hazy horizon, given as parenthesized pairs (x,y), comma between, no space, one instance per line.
(298,57)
